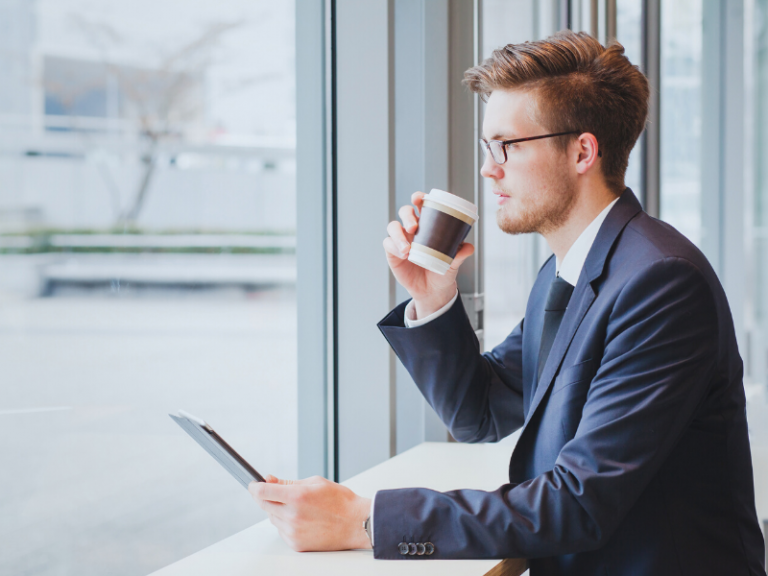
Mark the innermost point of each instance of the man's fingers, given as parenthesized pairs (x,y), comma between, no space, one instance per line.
(465,251)
(288,533)
(408,216)
(269,479)
(275,480)
(272,508)
(272,492)
(397,234)
(283,526)
(417,199)
(389,246)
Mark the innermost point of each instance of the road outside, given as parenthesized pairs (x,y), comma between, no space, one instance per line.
(96,479)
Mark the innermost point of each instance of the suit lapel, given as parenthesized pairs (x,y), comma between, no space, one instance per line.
(581,300)
(584,293)
(534,324)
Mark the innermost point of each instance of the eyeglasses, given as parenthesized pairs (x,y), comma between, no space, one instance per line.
(498,148)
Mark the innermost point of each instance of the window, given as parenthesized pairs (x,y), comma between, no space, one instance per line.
(629,34)
(681,98)
(756,213)
(510,262)
(147,263)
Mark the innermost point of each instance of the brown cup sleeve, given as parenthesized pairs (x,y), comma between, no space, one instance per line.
(441,231)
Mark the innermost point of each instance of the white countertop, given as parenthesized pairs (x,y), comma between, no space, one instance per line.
(436,465)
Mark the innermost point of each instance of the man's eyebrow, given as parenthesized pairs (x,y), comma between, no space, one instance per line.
(501,137)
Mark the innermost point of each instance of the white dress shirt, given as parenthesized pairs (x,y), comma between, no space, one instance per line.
(569,270)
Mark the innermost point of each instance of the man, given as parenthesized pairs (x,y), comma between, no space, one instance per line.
(624,375)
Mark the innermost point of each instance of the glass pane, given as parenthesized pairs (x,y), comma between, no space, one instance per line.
(629,34)
(681,49)
(510,263)
(757,321)
(147,239)
(759,79)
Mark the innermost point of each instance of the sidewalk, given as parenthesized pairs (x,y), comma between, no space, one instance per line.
(44,274)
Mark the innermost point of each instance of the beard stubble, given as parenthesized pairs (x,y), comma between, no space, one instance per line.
(542,210)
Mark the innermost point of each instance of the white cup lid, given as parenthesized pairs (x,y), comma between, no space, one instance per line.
(453,201)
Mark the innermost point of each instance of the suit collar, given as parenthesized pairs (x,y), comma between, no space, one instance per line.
(573,262)
(622,212)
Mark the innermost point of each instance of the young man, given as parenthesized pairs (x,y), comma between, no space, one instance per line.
(624,375)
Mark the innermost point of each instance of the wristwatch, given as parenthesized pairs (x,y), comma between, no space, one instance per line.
(368,527)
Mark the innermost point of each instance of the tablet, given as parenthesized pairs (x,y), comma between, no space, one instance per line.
(215,445)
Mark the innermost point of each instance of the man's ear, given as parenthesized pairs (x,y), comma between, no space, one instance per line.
(588,152)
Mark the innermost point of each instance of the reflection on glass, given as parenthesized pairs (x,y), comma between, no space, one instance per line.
(681,49)
(510,263)
(147,236)
(628,33)
(759,214)
(757,358)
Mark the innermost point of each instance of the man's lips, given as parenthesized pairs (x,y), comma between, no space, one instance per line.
(502,197)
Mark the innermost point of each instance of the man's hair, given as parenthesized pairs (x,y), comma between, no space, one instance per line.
(580,85)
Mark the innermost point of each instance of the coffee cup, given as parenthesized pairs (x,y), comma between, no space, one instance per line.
(445,221)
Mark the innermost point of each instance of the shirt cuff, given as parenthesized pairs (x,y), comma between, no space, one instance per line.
(410,313)
(370,524)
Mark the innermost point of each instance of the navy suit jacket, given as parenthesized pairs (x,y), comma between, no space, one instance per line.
(634,456)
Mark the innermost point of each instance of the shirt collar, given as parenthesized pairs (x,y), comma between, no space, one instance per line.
(570,268)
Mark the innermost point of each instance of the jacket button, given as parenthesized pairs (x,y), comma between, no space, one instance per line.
(429,548)
(420,549)
(403,548)
(411,549)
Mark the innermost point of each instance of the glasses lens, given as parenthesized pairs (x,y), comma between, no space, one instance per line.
(497,151)
(483,147)
(494,148)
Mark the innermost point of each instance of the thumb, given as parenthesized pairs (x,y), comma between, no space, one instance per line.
(464,252)
(275,480)
(313,480)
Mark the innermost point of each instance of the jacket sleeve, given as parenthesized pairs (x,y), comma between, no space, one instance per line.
(479,397)
(657,367)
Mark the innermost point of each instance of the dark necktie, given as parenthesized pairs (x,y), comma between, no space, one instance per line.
(557,300)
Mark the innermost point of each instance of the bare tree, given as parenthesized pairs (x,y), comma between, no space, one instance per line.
(162,100)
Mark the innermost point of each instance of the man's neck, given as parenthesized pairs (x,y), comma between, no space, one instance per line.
(587,207)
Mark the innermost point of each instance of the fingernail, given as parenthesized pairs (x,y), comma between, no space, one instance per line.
(403,246)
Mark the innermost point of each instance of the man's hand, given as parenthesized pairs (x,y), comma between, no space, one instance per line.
(314,514)
(430,291)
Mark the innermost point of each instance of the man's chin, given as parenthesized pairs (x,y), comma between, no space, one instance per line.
(517,224)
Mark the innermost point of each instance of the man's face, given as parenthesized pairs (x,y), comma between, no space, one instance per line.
(535,187)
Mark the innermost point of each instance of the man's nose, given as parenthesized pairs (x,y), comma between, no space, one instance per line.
(490,169)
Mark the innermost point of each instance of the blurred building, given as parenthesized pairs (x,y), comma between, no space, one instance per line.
(82,137)
(17,60)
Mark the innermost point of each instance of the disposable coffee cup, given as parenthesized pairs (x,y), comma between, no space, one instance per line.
(444,223)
